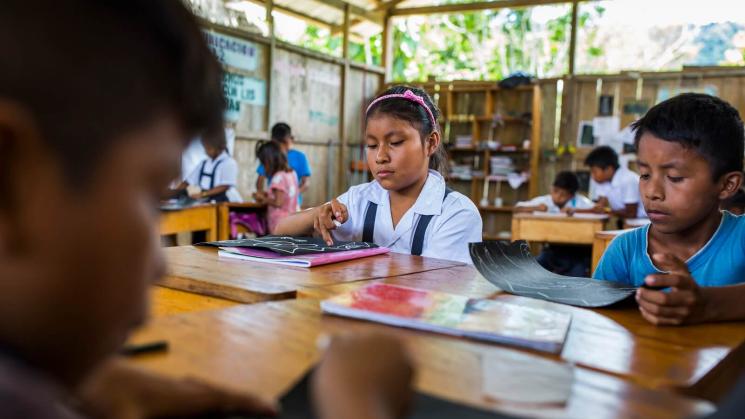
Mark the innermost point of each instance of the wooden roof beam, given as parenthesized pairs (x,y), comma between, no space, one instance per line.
(466,7)
(371,15)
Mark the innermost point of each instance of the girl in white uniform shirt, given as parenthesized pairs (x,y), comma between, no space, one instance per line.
(407,208)
(214,178)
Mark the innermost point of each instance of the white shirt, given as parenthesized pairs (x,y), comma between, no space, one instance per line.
(578,201)
(621,190)
(455,222)
(227,174)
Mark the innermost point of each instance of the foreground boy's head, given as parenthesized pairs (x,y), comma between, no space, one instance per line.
(603,163)
(97,98)
(564,188)
(690,154)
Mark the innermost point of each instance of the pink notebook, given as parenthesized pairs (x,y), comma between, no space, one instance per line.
(306,261)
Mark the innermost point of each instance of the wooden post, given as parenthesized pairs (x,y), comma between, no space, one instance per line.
(342,106)
(573,38)
(388,48)
(271,49)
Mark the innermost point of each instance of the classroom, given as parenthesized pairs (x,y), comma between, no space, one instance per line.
(377,209)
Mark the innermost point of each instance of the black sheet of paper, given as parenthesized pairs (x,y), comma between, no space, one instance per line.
(296,405)
(286,245)
(512,268)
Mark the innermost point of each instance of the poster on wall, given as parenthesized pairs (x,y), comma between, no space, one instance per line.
(232,51)
(240,90)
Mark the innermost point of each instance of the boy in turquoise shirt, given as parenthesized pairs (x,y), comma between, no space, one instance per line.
(690,155)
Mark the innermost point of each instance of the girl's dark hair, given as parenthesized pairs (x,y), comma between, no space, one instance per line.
(272,157)
(417,116)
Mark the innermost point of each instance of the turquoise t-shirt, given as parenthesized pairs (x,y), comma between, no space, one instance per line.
(720,262)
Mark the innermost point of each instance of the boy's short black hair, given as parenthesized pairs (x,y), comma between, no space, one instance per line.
(91,71)
(568,181)
(280,132)
(702,122)
(602,157)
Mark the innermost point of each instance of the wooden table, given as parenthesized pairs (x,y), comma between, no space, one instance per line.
(223,215)
(197,218)
(702,360)
(265,348)
(600,243)
(556,228)
(167,302)
(201,271)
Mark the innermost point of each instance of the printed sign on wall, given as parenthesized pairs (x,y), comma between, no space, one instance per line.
(240,90)
(232,51)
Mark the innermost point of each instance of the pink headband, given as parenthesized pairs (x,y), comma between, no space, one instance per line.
(411,97)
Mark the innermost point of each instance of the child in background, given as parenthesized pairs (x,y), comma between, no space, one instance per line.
(282,134)
(408,207)
(563,259)
(563,197)
(281,199)
(216,177)
(615,189)
(736,204)
(690,152)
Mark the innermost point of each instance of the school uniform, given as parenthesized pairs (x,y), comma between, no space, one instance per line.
(440,224)
(211,173)
(621,190)
(577,202)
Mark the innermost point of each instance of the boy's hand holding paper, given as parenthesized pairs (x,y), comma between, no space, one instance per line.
(683,300)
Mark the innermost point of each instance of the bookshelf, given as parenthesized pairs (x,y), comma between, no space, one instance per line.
(491,133)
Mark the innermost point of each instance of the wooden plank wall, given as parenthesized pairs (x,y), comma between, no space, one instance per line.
(580,103)
(305,93)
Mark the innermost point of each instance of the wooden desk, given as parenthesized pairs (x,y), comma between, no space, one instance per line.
(196,218)
(600,243)
(167,302)
(201,271)
(265,348)
(555,229)
(223,215)
(702,360)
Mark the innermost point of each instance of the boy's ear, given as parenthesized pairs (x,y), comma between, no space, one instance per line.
(20,153)
(730,184)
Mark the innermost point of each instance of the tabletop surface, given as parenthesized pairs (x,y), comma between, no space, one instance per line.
(265,348)
(202,271)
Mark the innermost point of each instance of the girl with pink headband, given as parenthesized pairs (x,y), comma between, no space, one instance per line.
(408,207)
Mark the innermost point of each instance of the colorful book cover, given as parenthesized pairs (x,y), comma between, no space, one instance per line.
(490,320)
(305,261)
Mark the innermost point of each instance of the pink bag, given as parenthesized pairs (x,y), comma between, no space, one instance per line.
(250,221)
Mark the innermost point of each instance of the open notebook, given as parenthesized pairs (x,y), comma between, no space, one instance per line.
(482,319)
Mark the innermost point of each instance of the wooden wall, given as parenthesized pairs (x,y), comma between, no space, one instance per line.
(306,92)
(580,103)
